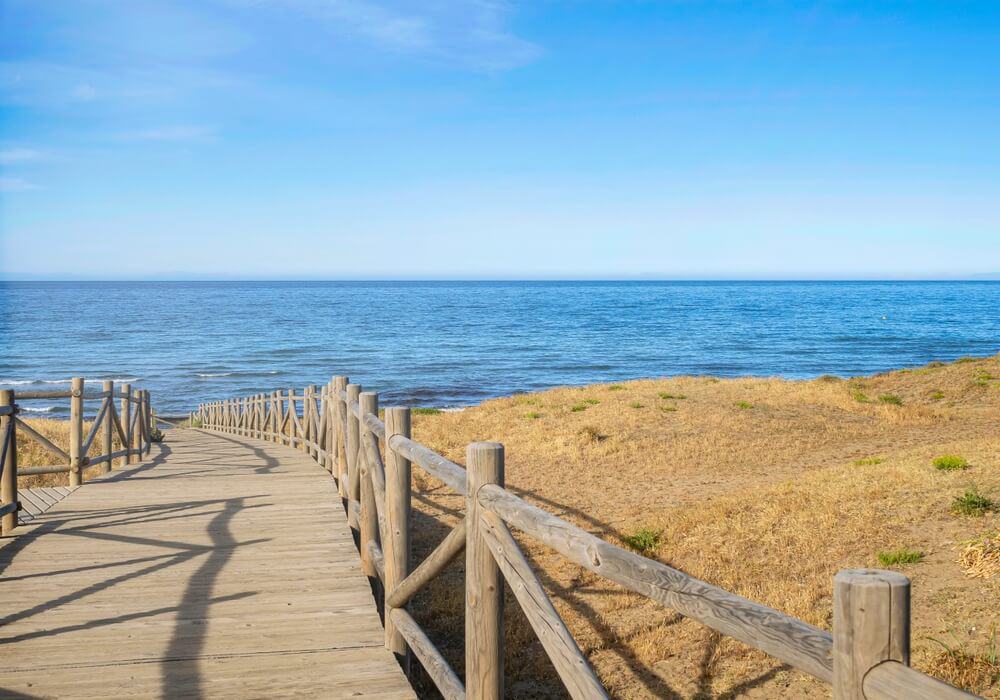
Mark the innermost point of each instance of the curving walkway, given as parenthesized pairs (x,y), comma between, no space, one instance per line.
(220,567)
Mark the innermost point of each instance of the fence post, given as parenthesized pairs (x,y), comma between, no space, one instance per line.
(137,433)
(75,431)
(147,414)
(369,516)
(8,480)
(125,416)
(871,624)
(397,508)
(109,424)
(340,437)
(331,432)
(353,480)
(483,583)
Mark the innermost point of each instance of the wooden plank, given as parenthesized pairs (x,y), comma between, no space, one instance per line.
(225,569)
(892,680)
(431,462)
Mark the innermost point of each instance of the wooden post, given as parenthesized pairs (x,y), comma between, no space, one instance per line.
(125,417)
(8,480)
(340,451)
(331,428)
(109,425)
(275,415)
(397,509)
(353,478)
(147,414)
(871,624)
(137,433)
(483,583)
(75,431)
(369,517)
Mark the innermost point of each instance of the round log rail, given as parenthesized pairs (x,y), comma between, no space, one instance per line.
(106,424)
(370,462)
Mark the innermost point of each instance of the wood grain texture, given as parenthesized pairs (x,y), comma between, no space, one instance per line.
(795,642)
(483,584)
(221,567)
(871,624)
(430,461)
(437,668)
(8,462)
(434,563)
(75,430)
(398,500)
(572,666)
(891,680)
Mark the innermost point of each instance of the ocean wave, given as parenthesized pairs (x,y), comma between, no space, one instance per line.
(16,382)
(247,373)
(213,374)
(39,409)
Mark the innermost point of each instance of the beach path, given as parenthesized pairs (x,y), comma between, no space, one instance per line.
(218,567)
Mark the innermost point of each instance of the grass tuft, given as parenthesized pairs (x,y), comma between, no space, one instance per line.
(950,463)
(743,404)
(668,408)
(577,407)
(936,394)
(668,395)
(425,411)
(592,402)
(972,503)
(831,378)
(636,404)
(644,540)
(866,461)
(898,557)
(533,415)
(892,399)
(591,434)
(615,387)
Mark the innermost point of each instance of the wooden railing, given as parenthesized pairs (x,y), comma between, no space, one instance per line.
(867,656)
(134,428)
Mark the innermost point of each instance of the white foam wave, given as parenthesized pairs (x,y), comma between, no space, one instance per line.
(213,374)
(16,382)
(39,409)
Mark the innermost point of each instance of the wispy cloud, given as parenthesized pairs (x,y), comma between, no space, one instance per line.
(470,34)
(16,184)
(21,155)
(178,133)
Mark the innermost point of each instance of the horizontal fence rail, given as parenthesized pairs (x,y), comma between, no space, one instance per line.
(371,459)
(132,424)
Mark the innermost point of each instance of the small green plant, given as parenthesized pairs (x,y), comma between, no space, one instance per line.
(828,378)
(891,399)
(866,461)
(936,394)
(156,435)
(743,404)
(644,540)
(859,396)
(668,408)
(963,360)
(615,387)
(667,395)
(592,402)
(591,434)
(577,407)
(425,411)
(898,557)
(533,415)
(636,404)
(985,376)
(193,423)
(972,503)
(950,463)
(982,383)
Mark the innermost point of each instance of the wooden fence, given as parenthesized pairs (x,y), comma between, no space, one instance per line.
(867,656)
(133,428)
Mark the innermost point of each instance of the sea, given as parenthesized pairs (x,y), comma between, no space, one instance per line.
(453,344)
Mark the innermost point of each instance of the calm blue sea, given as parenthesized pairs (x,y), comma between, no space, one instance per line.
(456,343)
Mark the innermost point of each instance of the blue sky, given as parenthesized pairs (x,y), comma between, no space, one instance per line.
(333,139)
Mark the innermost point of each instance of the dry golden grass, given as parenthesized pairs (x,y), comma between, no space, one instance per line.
(32,453)
(765,501)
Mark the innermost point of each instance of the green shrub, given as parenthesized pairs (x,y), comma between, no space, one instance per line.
(644,540)
(963,360)
(985,376)
(859,396)
(743,404)
(592,402)
(667,395)
(828,378)
(868,461)
(936,394)
(636,404)
(972,503)
(425,410)
(891,399)
(156,435)
(577,407)
(533,415)
(615,387)
(949,463)
(898,557)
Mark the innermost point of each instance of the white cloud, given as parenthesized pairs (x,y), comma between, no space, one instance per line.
(20,155)
(464,33)
(180,133)
(16,184)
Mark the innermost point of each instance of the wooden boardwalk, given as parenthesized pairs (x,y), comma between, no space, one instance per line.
(220,567)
